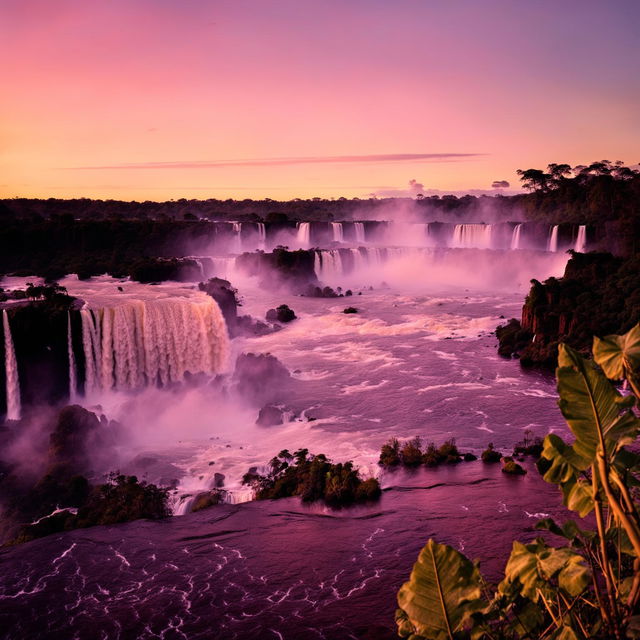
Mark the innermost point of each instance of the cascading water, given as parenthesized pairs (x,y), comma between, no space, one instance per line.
(338,234)
(553,239)
(237,239)
(142,343)
(472,236)
(359,260)
(515,238)
(581,240)
(222,267)
(11,372)
(304,234)
(359,230)
(73,375)
(328,265)
(262,236)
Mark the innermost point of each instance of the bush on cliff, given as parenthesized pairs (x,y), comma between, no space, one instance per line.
(599,294)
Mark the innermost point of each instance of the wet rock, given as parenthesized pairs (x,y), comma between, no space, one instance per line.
(281,314)
(225,295)
(269,416)
(350,310)
(207,499)
(510,466)
(260,378)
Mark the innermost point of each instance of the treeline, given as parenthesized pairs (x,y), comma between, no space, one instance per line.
(585,194)
(59,246)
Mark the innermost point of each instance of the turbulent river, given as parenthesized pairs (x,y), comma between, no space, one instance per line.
(415,361)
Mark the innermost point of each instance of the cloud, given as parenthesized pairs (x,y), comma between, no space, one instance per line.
(500,184)
(265,162)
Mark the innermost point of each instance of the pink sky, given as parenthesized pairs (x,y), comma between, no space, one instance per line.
(160,99)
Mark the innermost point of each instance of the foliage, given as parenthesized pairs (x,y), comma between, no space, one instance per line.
(312,477)
(120,499)
(490,454)
(410,453)
(590,586)
(599,294)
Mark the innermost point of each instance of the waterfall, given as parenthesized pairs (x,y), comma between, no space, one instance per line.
(304,234)
(262,235)
(515,238)
(221,267)
(553,239)
(142,343)
(359,229)
(317,264)
(237,240)
(338,235)
(472,236)
(360,262)
(329,266)
(11,372)
(73,376)
(581,240)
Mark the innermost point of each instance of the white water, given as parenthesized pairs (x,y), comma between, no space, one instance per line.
(328,265)
(424,266)
(359,229)
(146,342)
(472,236)
(581,240)
(304,234)
(553,239)
(237,240)
(11,372)
(338,234)
(73,376)
(262,236)
(515,238)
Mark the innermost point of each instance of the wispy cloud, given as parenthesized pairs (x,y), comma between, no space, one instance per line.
(266,162)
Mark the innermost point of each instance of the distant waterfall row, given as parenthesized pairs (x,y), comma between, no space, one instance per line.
(233,238)
(131,345)
(514,236)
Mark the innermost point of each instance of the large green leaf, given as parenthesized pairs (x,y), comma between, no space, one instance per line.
(560,464)
(592,406)
(536,567)
(443,591)
(618,355)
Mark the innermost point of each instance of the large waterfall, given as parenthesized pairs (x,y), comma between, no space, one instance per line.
(359,229)
(304,234)
(338,234)
(11,372)
(472,236)
(141,343)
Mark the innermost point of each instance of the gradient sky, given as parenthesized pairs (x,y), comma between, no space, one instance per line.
(160,99)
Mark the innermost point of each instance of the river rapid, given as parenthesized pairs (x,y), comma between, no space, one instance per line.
(414,361)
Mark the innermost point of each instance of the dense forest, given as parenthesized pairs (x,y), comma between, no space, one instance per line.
(586,194)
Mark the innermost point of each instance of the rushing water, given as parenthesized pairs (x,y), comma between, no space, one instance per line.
(418,359)
(408,364)
(11,371)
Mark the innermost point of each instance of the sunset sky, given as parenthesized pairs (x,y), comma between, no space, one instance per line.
(161,99)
